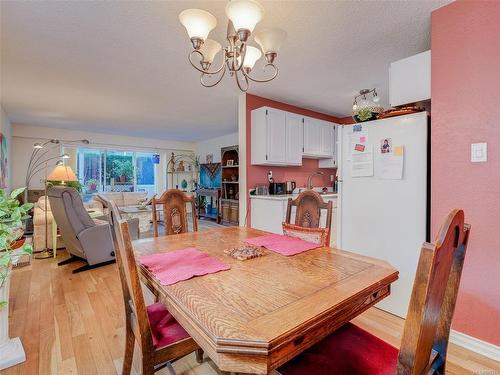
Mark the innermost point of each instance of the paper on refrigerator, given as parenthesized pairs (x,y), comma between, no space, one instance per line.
(361,161)
(391,164)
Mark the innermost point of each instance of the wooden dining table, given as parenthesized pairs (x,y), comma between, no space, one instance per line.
(266,310)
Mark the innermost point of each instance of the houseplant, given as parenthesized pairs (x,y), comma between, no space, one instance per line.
(11,217)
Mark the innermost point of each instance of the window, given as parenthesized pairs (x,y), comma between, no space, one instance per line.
(114,170)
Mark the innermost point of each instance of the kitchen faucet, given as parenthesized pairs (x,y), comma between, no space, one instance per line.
(309,185)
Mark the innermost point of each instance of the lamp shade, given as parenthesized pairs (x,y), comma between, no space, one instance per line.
(197,22)
(244,14)
(252,54)
(270,40)
(209,49)
(62,173)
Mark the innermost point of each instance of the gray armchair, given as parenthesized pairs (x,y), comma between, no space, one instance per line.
(84,239)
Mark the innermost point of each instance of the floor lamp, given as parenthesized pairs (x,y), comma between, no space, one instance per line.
(62,174)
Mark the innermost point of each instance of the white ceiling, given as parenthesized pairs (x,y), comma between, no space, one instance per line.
(120,66)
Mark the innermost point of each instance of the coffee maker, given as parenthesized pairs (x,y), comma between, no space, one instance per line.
(290,186)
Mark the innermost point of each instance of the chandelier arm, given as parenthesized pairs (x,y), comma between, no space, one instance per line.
(238,81)
(202,57)
(243,53)
(213,84)
(262,80)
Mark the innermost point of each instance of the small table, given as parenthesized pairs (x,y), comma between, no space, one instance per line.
(265,311)
(93,213)
(143,213)
(214,196)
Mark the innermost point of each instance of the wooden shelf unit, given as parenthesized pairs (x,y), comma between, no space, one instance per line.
(230,185)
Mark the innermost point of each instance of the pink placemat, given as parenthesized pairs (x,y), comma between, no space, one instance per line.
(284,245)
(180,265)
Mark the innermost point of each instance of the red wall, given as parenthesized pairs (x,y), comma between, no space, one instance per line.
(258,174)
(465,110)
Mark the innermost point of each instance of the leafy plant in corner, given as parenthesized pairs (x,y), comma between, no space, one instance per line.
(11,216)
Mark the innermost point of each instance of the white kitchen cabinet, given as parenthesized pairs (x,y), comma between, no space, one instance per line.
(319,139)
(294,139)
(267,213)
(410,79)
(312,137)
(276,137)
(330,138)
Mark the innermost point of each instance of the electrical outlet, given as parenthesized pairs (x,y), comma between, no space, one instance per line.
(270,176)
(332,178)
(478,152)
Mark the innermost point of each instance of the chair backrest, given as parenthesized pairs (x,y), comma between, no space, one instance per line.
(308,211)
(175,214)
(427,328)
(135,307)
(71,217)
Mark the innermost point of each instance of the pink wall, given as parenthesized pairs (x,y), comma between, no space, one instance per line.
(258,174)
(465,109)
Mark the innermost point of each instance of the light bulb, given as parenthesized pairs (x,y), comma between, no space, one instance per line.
(244,14)
(376,99)
(198,23)
(209,49)
(252,54)
(65,156)
(270,40)
(37,145)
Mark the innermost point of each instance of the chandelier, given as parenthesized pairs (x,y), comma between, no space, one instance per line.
(239,57)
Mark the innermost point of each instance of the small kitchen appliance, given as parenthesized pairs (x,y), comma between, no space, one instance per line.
(290,187)
(277,188)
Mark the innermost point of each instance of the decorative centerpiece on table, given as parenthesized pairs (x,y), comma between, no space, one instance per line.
(12,214)
(365,108)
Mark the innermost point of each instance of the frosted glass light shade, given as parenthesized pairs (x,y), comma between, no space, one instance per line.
(251,56)
(197,22)
(270,40)
(244,14)
(209,49)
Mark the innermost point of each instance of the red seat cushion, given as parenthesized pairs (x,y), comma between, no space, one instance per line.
(164,328)
(348,351)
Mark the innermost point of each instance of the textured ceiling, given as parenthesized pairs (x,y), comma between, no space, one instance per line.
(120,66)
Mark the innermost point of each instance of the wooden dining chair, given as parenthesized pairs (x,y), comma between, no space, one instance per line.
(307,218)
(175,216)
(352,350)
(160,337)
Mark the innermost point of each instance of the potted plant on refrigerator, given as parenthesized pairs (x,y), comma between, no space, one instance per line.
(11,221)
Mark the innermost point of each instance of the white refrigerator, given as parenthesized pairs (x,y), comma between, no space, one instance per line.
(382,207)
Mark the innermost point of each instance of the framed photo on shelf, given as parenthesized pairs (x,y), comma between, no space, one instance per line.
(230,163)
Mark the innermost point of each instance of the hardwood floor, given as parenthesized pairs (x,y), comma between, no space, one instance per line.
(74,324)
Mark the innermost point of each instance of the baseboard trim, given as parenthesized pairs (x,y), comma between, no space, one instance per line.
(475,345)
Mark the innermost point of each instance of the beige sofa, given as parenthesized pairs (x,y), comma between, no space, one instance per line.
(121,199)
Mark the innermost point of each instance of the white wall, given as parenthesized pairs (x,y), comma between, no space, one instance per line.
(24,136)
(6,130)
(213,146)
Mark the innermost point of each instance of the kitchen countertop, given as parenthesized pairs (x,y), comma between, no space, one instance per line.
(286,196)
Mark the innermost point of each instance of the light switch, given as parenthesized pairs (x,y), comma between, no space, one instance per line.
(478,152)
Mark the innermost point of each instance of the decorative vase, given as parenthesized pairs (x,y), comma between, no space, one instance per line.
(12,351)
